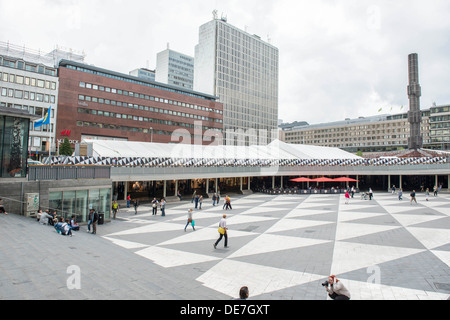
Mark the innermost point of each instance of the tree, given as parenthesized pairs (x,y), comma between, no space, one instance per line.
(359,153)
(65,149)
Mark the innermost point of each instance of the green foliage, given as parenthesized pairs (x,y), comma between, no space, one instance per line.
(65,149)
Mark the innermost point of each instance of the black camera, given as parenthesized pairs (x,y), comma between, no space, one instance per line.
(325,284)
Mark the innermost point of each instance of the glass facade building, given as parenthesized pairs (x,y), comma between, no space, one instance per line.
(242,70)
(78,202)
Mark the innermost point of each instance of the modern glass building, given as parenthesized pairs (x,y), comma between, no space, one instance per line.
(242,70)
(175,68)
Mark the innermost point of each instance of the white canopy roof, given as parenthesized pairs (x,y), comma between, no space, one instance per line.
(275,150)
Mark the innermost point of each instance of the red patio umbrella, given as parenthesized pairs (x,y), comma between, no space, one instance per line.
(344,179)
(323,179)
(301,179)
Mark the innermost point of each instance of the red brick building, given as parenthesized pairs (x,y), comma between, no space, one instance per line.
(95,103)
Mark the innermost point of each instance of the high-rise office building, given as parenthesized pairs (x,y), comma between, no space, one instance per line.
(175,69)
(242,70)
(143,73)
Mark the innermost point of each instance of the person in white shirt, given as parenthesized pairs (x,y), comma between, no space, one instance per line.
(336,290)
(190,220)
(223,224)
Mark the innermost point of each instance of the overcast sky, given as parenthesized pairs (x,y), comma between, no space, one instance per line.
(337,59)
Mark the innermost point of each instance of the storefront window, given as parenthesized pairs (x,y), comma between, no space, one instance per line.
(93,199)
(105,202)
(69,204)
(79,202)
(82,200)
(14,141)
(55,201)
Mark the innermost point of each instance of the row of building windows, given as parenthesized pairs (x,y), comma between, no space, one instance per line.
(440,139)
(138,118)
(440,118)
(135,81)
(440,109)
(147,97)
(22,65)
(146,108)
(23,80)
(189,62)
(88,124)
(27,95)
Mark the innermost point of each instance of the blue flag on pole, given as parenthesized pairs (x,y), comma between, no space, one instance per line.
(45,120)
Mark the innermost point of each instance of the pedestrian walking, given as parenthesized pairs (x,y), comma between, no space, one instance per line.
(115,207)
(413,197)
(94,221)
(225,202)
(136,205)
(435,191)
(200,201)
(228,203)
(90,217)
(163,207)
(370,194)
(154,206)
(353,191)
(427,194)
(400,194)
(190,220)
(214,198)
(128,201)
(347,197)
(196,199)
(193,196)
(223,231)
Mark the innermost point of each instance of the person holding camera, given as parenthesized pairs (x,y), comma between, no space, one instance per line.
(336,290)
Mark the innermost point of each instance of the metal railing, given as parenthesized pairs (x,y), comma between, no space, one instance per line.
(38,173)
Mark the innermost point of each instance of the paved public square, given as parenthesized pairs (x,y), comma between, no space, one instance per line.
(281,246)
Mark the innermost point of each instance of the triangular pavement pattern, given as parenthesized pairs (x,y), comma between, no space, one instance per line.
(261,279)
(269,243)
(279,244)
(353,256)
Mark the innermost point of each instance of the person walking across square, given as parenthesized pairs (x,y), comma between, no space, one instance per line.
(189,220)
(223,231)
(413,197)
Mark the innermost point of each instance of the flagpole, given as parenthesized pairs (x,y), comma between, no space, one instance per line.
(50,148)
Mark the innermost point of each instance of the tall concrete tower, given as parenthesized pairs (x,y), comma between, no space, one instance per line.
(415,140)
